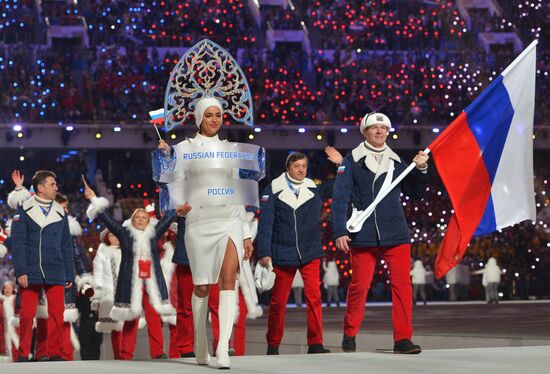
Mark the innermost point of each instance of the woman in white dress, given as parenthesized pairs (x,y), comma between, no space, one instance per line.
(217,239)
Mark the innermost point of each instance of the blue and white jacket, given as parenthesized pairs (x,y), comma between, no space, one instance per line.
(357,184)
(41,245)
(289,229)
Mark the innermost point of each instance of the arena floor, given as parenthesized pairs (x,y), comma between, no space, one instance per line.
(467,337)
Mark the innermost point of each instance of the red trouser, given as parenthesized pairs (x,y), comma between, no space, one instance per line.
(41,337)
(239,328)
(184,323)
(363,262)
(279,297)
(68,349)
(154,330)
(56,306)
(116,343)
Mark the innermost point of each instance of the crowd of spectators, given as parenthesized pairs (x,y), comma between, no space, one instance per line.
(397,56)
(16,21)
(381,24)
(170,23)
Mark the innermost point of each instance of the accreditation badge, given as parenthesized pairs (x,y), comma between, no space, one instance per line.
(144,269)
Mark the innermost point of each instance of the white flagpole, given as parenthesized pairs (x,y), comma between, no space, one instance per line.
(355,223)
(158,133)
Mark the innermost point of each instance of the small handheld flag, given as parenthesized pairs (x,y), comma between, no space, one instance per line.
(157,116)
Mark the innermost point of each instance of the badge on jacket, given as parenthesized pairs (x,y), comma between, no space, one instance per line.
(144,269)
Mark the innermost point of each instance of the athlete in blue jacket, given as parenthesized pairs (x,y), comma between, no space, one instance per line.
(42,259)
(289,236)
(359,179)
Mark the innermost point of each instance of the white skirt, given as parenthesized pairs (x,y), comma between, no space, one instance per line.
(206,241)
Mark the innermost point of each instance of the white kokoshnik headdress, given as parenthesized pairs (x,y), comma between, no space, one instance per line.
(207,75)
(207,70)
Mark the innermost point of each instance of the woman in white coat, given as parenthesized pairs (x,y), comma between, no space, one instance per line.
(217,240)
(490,280)
(7,315)
(418,274)
(106,267)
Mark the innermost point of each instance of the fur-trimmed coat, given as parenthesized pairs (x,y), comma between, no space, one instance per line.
(10,337)
(106,268)
(135,244)
(168,270)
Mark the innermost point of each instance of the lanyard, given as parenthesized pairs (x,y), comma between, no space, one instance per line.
(291,186)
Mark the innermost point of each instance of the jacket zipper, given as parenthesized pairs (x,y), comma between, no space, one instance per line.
(375,221)
(296,234)
(40,254)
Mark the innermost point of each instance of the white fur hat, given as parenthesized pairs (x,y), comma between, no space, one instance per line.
(374,118)
(202,105)
(264,277)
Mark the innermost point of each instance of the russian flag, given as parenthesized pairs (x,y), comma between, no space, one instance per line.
(485,159)
(157,116)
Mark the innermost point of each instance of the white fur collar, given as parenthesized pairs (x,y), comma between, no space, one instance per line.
(166,264)
(74,226)
(280,184)
(142,247)
(361,151)
(378,168)
(32,207)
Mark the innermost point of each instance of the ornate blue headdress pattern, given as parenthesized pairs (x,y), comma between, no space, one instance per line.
(207,70)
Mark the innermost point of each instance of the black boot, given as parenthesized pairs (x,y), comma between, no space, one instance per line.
(272,350)
(407,347)
(348,343)
(188,355)
(317,348)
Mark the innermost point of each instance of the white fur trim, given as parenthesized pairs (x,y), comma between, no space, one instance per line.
(74,340)
(3,250)
(18,197)
(142,249)
(107,327)
(167,266)
(248,289)
(71,315)
(42,311)
(83,280)
(94,305)
(14,321)
(142,323)
(256,312)
(97,206)
(169,319)
(74,227)
(121,314)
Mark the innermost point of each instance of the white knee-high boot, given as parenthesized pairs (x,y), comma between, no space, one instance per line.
(199,305)
(226,312)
